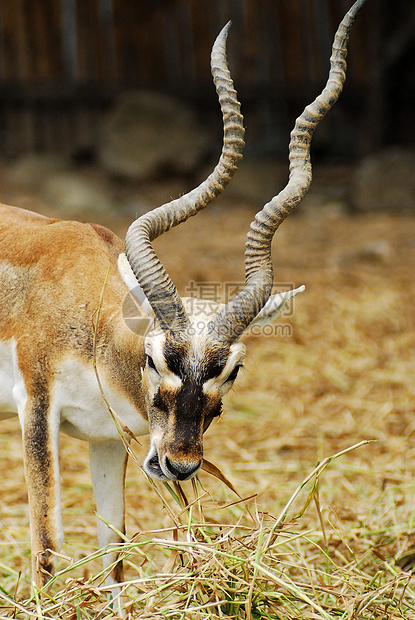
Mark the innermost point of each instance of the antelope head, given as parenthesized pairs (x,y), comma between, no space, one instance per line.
(188,369)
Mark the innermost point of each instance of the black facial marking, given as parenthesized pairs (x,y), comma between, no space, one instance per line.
(216,411)
(234,373)
(151,363)
(214,369)
(189,404)
(177,360)
(175,356)
(160,402)
(190,400)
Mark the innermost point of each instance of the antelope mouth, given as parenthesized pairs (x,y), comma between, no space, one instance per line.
(152,466)
(170,471)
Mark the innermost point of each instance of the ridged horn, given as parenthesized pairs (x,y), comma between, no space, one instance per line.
(150,273)
(235,317)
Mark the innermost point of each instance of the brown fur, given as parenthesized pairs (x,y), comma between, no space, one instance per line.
(53,279)
(52,274)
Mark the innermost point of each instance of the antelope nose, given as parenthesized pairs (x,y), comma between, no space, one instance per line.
(182,471)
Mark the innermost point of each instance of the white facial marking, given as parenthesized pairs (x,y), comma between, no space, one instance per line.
(157,368)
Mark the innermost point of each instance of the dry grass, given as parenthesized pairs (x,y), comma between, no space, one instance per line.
(343,376)
(240,562)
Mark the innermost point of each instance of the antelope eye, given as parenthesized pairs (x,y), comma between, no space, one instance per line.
(234,373)
(151,363)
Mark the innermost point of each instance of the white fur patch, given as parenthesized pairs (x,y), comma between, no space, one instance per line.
(83,412)
(76,400)
(13,395)
(129,279)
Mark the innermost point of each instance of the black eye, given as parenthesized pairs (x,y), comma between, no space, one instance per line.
(234,373)
(151,363)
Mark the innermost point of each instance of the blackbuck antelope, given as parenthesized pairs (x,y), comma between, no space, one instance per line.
(168,380)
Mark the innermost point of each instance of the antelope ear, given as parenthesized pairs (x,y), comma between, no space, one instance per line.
(133,286)
(274,306)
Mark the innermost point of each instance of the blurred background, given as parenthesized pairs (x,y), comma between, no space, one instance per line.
(107,109)
(125,85)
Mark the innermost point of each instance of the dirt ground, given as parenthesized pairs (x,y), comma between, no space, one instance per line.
(341,370)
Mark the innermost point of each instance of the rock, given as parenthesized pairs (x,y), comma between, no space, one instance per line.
(378,251)
(30,171)
(317,207)
(74,196)
(146,132)
(258,179)
(385,180)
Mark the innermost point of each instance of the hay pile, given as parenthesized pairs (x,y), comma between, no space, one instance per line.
(342,376)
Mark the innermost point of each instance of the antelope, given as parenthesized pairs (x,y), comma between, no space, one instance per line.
(166,378)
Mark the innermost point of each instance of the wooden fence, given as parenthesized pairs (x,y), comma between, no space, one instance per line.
(63,61)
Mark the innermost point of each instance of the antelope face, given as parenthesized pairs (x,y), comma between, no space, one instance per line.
(186,376)
(184,381)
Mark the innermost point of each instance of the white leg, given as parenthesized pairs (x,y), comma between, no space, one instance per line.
(108,465)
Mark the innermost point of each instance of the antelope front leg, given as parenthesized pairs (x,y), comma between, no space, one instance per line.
(108,465)
(41,446)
